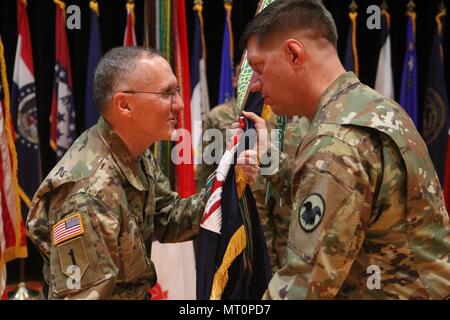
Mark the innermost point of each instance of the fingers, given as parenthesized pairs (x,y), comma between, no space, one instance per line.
(258,121)
(251,172)
(249,157)
(248,162)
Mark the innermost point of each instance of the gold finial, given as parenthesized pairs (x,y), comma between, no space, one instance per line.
(198,5)
(353,6)
(227,1)
(93,4)
(442,6)
(411,5)
(61,4)
(384,5)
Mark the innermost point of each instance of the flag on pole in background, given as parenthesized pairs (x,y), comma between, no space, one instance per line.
(384,81)
(435,118)
(226,88)
(175,262)
(62,117)
(129,40)
(24,112)
(164,44)
(408,92)
(185,170)
(199,85)
(351,61)
(12,229)
(95,52)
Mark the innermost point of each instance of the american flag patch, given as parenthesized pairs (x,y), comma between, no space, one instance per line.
(67,229)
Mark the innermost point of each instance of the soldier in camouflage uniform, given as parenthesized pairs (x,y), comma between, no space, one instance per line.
(274,217)
(368,219)
(95,215)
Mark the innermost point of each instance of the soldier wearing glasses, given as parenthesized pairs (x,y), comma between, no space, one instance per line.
(95,215)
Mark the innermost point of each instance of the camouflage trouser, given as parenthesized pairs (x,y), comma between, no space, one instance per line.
(275,224)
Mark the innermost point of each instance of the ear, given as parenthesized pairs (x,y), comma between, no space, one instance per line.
(294,52)
(121,105)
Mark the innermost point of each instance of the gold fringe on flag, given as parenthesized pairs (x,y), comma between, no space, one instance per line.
(241,181)
(266,112)
(235,247)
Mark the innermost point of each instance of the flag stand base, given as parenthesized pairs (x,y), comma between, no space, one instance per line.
(23,293)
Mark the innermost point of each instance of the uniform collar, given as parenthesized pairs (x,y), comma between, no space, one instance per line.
(343,82)
(131,168)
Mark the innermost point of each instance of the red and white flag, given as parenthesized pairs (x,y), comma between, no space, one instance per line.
(12,229)
(62,117)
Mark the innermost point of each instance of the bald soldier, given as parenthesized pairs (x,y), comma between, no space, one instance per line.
(368,219)
(95,215)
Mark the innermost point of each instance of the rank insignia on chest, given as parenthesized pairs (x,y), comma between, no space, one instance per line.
(67,229)
(311,212)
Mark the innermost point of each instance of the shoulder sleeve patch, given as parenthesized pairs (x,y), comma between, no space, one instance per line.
(317,200)
(73,254)
(67,228)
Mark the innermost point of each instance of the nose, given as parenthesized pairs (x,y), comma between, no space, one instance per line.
(177,102)
(256,84)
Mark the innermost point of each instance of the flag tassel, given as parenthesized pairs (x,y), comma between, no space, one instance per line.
(235,247)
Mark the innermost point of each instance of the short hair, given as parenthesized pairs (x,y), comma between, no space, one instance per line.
(291,15)
(115,66)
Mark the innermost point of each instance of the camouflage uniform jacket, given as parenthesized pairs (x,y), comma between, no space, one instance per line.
(99,210)
(369,220)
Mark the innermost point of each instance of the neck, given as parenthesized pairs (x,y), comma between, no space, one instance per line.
(135,143)
(326,71)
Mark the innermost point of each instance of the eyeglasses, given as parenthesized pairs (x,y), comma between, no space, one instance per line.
(170,94)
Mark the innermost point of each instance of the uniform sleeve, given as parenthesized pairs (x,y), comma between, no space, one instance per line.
(203,170)
(332,207)
(278,172)
(176,219)
(82,248)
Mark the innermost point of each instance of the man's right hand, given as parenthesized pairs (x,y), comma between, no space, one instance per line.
(261,131)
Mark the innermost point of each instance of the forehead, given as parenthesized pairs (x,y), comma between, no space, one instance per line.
(256,52)
(155,68)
